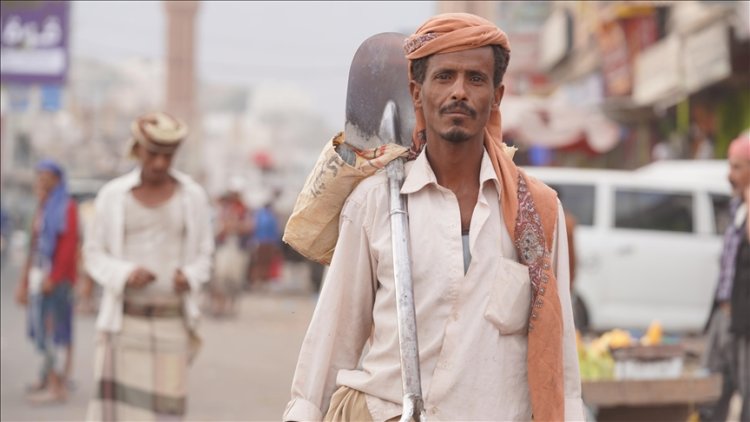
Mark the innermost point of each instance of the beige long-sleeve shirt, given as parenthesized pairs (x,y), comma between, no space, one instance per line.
(471,327)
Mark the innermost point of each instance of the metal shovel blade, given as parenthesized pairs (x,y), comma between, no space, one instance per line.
(378,74)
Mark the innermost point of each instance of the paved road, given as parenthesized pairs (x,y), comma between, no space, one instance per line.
(243,373)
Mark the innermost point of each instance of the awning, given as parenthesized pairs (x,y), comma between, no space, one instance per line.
(540,122)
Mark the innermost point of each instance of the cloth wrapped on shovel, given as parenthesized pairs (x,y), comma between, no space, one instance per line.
(313,227)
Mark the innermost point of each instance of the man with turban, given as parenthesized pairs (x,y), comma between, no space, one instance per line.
(728,349)
(489,263)
(150,248)
(46,286)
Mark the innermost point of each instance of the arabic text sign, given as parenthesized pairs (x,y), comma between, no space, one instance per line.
(34,42)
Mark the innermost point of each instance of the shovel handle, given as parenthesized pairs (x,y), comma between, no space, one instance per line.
(413,409)
(405,310)
(406,313)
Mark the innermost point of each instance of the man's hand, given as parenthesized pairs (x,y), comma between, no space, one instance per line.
(180,282)
(22,293)
(139,278)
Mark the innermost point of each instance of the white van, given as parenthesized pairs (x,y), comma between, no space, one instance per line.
(647,242)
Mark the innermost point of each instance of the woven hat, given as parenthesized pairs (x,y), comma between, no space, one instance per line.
(158,132)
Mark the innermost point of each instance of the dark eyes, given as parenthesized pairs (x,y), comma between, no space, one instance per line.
(444,76)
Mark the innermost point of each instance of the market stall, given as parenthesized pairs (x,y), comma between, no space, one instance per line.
(646,379)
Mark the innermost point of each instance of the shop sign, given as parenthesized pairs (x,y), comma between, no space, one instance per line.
(557,39)
(706,57)
(620,42)
(658,72)
(34,42)
(614,58)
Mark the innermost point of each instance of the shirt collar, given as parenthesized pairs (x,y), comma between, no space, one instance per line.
(421,174)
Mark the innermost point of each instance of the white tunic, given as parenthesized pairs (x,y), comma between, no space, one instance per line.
(154,240)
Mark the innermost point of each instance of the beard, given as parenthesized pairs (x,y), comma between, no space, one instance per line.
(456,135)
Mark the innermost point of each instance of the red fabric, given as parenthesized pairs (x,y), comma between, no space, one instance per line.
(275,267)
(65,260)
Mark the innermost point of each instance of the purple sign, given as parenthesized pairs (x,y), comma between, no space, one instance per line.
(34,37)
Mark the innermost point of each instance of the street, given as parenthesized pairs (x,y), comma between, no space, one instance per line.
(243,372)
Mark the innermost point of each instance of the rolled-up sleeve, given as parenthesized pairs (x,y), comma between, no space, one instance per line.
(341,323)
(574,410)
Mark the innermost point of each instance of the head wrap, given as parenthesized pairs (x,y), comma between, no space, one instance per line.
(529,212)
(157,131)
(448,33)
(50,166)
(451,32)
(54,214)
(739,149)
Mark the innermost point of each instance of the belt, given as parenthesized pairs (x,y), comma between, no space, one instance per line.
(152,311)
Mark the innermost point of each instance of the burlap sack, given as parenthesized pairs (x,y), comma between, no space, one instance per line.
(313,227)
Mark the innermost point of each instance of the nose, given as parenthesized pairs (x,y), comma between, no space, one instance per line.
(458,89)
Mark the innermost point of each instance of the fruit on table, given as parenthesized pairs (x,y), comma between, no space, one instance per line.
(595,359)
(654,334)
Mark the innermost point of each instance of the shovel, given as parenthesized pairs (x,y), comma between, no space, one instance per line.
(379,111)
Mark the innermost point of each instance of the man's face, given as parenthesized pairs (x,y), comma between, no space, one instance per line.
(44,184)
(739,175)
(458,94)
(155,165)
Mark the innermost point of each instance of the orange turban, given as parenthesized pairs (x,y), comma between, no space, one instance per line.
(451,32)
(448,33)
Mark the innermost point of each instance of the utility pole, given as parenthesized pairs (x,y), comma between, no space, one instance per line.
(181,81)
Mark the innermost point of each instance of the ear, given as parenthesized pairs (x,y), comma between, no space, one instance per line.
(415,89)
(499,92)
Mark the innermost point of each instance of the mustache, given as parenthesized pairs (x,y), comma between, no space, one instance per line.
(459,107)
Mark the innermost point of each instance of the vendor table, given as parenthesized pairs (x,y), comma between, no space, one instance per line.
(650,400)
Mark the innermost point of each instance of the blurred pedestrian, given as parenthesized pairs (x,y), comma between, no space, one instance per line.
(728,349)
(150,249)
(267,259)
(47,279)
(489,263)
(234,228)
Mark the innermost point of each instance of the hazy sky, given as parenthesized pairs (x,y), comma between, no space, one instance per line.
(307,43)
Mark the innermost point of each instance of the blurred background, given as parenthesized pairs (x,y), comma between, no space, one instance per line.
(626,108)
